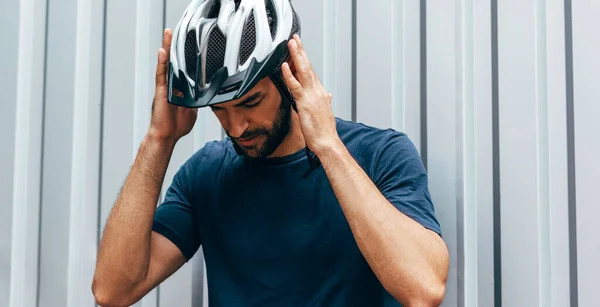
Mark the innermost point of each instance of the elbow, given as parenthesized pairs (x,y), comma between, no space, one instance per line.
(428,296)
(434,296)
(102,296)
(106,297)
(105,301)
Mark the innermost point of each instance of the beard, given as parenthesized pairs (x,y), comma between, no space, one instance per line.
(273,137)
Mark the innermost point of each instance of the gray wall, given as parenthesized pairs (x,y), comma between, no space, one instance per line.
(500,97)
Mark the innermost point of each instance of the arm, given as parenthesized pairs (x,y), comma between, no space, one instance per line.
(132,259)
(410,261)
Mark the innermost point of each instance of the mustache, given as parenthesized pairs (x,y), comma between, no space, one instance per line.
(249,134)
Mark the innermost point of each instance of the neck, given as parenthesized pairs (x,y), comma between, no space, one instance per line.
(293,142)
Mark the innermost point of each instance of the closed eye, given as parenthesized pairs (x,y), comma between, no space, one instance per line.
(248,105)
(251,105)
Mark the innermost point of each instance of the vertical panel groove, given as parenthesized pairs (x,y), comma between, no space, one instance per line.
(398,57)
(164,16)
(462,102)
(496,159)
(467,159)
(542,155)
(423,42)
(158,296)
(329,51)
(42,149)
(573,267)
(140,87)
(101,138)
(354,89)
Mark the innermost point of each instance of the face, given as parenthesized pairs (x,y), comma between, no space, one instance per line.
(258,122)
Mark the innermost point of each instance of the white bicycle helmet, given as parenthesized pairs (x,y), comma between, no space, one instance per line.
(222,48)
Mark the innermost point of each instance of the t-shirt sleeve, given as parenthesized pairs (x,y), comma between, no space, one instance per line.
(175,216)
(401,177)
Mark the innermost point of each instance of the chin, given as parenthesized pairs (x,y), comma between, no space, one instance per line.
(253,151)
(250,152)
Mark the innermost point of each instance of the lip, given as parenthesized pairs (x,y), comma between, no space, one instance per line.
(247,142)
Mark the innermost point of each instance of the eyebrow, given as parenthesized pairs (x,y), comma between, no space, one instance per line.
(249,99)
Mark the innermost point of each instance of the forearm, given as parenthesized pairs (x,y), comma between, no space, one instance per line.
(409,260)
(124,250)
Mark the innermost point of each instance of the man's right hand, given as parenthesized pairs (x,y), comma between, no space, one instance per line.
(133,259)
(169,122)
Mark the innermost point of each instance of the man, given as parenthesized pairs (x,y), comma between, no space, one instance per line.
(357,230)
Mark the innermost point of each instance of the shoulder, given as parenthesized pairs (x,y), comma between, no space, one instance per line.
(350,131)
(362,139)
(378,150)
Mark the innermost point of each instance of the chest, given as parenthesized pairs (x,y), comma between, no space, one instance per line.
(280,226)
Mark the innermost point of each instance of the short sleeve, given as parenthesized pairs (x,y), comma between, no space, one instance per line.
(402,179)
(175,216)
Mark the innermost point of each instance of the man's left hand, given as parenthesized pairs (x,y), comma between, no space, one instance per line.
(312,100)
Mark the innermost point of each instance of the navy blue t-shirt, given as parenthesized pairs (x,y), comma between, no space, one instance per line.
(272,238)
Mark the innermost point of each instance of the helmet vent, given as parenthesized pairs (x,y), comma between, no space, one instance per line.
(248,42)
(214,9)
(271,17)
(191,54)
(215,56)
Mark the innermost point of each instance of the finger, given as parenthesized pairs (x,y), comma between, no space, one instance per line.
(301,57)
(163,58)
(161,68)
(303,69)
(298,40)
(292,84)
(301,47)
(167,38)
(302,51)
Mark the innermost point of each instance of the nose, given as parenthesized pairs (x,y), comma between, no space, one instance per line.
(237,124)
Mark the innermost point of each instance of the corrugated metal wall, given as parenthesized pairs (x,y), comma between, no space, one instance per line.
(501,97)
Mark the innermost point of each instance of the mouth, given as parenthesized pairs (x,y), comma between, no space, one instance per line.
(247,142)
